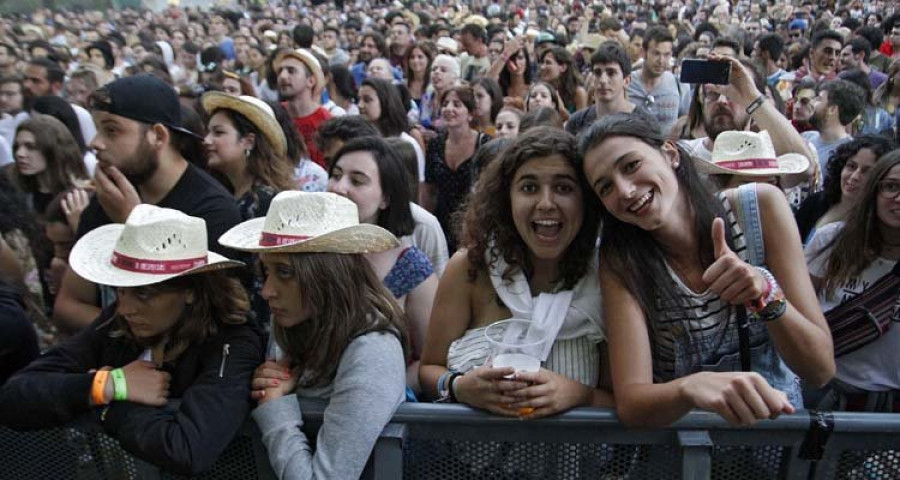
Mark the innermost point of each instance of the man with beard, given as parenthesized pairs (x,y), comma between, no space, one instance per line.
(138,161)
(734,106)
(372,46)
(44,77)
(837,104)
(300,82)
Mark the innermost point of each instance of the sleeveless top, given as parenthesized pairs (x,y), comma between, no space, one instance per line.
(412,268)
(699,331)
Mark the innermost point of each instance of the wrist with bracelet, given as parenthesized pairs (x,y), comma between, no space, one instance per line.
(755,104)
(446,393)
(771,305)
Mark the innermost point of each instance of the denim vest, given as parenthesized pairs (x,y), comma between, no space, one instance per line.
(718,348)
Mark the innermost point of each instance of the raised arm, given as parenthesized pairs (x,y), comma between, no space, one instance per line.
(785,137)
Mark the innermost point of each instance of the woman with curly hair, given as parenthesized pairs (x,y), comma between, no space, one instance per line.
(558,68)
(516,269)
(48,161)
(846,175)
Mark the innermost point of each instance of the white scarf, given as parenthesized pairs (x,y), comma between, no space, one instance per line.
(562,315)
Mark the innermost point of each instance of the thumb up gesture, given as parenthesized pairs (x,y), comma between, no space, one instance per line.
(732,279)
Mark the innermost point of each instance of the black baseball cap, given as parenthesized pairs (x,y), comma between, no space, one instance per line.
(143,98)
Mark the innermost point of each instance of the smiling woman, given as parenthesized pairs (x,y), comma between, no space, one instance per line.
(677,284)
(545,256)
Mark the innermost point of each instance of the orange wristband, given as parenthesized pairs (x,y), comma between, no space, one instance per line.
(98,390)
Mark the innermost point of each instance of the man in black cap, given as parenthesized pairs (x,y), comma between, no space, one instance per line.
(138,161)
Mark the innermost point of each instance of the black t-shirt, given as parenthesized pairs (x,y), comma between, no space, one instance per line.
(18,340)
(196,194)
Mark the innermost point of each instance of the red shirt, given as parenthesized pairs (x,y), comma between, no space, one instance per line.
(306,127)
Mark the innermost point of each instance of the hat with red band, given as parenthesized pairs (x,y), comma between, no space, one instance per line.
(153,245)
(750,154)
(308,222)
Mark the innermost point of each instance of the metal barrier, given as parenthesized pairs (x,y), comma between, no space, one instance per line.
(432,441)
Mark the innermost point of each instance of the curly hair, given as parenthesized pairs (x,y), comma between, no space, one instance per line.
(878,145)
(488,229)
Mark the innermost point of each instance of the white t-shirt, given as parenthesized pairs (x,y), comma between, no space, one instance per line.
(420,155)
(875,367)
(428,237)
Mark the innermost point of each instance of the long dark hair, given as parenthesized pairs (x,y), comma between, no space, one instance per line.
(348,300)
(878,145)
(493,90)
(505,79)
(65,164)
(487,224)
(631,253)
(568,81)
(859,243)
(393,120)
(397,216)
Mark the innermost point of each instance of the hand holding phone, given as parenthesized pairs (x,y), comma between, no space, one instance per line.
(716,72)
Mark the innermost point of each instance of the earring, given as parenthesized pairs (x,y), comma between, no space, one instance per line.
(247,153)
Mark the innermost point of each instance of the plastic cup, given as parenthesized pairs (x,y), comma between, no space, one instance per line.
(514,344)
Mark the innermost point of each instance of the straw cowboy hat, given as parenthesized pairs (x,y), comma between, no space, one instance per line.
(306,222)
(153,245)
(750,154)
(256,110)
(308,59)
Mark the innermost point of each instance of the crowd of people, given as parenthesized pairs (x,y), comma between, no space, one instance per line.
(233,208)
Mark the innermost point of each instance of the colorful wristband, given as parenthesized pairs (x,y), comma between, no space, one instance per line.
(120,386)
(98,389)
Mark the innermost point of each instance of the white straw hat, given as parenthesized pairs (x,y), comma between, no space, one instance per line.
(751,154)
(256,110)
(309,222)
(154,245)
(308,59)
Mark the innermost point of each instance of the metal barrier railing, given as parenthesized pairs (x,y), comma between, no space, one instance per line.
(437,441)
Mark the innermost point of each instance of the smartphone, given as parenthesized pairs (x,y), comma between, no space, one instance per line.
(705,71)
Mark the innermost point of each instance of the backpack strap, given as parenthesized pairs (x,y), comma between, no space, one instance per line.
(746,211)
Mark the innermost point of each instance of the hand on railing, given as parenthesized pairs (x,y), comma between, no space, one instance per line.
(273,380)
(547,393)
(741,398)
(484,388)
